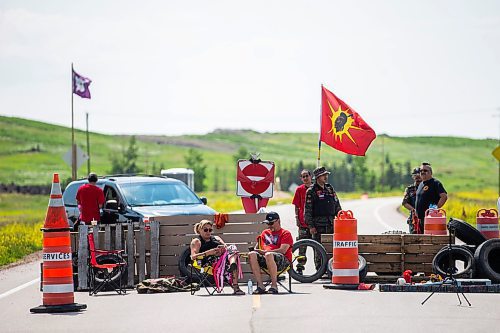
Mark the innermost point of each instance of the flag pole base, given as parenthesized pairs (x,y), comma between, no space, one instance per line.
(73,307)
(341,286)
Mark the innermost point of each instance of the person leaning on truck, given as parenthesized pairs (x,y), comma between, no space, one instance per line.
(90,199)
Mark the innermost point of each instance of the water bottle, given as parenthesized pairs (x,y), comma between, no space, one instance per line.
(250,287)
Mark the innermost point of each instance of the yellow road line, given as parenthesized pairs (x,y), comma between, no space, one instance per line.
(256,301)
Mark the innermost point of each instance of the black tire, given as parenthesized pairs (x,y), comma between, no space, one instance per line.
(185,266)
(363,269)
(487,258)
(320,250)
(117,272)
(440,263)
(465,232)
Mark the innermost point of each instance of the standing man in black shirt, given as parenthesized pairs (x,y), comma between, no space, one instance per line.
(429,192)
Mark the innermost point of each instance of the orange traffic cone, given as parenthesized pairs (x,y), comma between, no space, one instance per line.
(57,272)
(345,273)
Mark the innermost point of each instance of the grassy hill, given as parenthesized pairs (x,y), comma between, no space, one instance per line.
(31,151)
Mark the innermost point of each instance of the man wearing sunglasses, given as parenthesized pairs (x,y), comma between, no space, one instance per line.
(429,192)
(410,196)
(273,252)
(299,200)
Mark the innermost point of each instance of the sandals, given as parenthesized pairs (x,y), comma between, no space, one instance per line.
(260,291)
(237,291)
(272,291)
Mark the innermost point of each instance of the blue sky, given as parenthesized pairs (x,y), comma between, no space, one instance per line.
(172,67)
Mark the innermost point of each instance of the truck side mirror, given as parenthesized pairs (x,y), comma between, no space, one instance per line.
(204,200)
(111,205)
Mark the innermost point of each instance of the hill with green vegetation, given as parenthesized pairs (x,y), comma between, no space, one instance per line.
(31,151)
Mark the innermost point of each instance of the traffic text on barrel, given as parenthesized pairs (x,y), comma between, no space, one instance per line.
(345,268)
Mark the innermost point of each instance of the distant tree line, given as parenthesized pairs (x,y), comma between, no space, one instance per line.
(349,175)
(352,174)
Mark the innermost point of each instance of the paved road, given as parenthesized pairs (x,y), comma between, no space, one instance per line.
(311,308)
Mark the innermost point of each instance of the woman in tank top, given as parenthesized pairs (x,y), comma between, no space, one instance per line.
(211,247)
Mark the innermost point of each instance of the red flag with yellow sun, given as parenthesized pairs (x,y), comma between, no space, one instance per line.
(343,128)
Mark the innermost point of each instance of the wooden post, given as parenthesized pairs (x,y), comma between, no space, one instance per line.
(107,237)
(155,249)
(130,253)
(118,236)
(95,233)
(402,254)
(141,249)
(83,257)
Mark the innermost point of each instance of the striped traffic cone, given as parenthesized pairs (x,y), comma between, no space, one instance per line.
(57,272)
(345,273)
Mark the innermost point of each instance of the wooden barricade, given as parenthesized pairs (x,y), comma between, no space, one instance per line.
(176,233)
(141,248)
(391,255)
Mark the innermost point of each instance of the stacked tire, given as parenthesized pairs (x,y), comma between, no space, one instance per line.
(481,257)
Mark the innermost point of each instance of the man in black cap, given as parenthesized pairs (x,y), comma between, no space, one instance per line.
(273,252)
(409,198)
(322,205)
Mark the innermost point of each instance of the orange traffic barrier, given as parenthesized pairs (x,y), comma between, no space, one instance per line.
(345,268)
(487,223)
(435,222)
(57,269)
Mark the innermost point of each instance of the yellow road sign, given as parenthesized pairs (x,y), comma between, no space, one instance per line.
(496,153)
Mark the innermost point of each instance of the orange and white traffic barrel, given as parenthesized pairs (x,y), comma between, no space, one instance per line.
(57,271)
(435,222)
(487,223)
(345,268)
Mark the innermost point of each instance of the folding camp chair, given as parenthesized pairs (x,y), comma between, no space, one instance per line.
(203,269)
(105,268)
(281,273)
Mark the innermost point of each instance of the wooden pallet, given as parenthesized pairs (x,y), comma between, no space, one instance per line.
(391,255)
(176,233)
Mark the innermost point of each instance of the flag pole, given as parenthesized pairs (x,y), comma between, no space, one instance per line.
(320,124)
(73,148)
(88,143)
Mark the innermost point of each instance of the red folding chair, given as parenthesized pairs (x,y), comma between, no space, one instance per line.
(106,269)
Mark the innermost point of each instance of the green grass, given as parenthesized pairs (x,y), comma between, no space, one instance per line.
(461,164)
(21,217)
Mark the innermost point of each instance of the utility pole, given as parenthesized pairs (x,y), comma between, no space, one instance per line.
(382,163)
(88,143)
(73,146)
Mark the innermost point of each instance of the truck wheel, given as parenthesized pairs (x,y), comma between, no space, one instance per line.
(363,269)
(185,266)
(440,263)
(465,232)
(310,273)
(487,257)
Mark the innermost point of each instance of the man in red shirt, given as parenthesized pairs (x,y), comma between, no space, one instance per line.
(273,252)
(90,199)
(299,201)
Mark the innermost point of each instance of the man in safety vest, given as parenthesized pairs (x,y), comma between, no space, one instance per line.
(322,205)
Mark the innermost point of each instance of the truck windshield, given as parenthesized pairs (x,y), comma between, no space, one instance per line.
(159,194)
